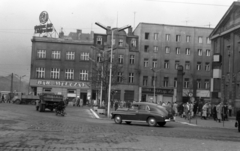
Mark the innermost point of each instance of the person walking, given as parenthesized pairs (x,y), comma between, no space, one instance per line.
(214,113)
(238,119)
(230,110)
(204,111)
(219,112)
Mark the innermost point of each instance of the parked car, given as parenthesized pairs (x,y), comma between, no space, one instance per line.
(151,113)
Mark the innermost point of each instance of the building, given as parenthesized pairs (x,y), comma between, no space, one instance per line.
(162,48)
(226,49)
(61,65)
(125,55)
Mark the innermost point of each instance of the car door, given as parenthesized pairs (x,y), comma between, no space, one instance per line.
(143,112)
(131,113)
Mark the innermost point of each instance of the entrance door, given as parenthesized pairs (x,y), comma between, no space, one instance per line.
(83,96)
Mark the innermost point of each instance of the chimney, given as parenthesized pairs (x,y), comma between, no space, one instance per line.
(61,34)
(130,31)
(79,31)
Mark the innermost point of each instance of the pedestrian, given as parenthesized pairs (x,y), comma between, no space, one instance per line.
(225,112)
(204,111)
(238,119)
(219,112)
(214,113)
(230,110)
(116,105)
(175,108)
(78,101)
(81,102)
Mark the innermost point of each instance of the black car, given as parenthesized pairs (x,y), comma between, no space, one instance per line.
(151,113)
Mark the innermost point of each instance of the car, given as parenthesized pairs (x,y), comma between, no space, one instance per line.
(150,113)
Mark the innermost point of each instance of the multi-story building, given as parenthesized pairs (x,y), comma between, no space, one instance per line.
(162,48)
(126,55)
(226,43)
(61,65)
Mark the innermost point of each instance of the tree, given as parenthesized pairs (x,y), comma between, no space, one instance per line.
(100,72)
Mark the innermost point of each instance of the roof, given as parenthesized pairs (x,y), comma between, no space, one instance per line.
(234,4)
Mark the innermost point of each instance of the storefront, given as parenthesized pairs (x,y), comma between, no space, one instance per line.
(69,89)
(161,95)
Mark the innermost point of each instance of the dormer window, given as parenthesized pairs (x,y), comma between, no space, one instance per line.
(99,40)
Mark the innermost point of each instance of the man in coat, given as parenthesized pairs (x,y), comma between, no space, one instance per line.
(219,112)
(238,119)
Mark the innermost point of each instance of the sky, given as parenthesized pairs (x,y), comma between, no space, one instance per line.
(18,18)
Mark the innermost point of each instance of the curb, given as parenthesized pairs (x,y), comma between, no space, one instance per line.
(95,114)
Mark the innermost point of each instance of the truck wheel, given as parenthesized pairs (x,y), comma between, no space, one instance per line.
(37,107)
(17,101)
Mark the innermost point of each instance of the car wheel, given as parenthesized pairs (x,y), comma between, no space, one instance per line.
(152,121)
(161,124)
(128,122)
(118,119)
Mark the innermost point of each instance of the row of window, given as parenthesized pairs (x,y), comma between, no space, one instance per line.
(70,55)
(177,63)
(186,83)
(177,50)
(99,41)
(55,74)
(178,38)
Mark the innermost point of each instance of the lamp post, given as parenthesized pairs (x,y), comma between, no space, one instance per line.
(154,83)
(110,67)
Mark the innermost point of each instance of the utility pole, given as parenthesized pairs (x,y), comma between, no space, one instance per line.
(11,89)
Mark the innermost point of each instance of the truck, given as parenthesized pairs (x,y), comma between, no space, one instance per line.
(21,98)
(48,101)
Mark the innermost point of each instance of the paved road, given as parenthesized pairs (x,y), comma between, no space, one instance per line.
(23,128)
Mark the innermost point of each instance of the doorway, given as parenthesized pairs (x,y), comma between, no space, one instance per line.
(83,96)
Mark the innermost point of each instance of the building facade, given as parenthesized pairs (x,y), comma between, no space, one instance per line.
(226,47)
(61,65)
(162,48)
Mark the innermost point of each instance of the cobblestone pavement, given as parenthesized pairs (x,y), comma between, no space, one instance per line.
(23,128)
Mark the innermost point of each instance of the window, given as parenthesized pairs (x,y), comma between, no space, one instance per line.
(84,56)
(40,73)
(120,42)
(146,48)
(176,64)
(186,83)
(120,59)
(55,73)
(154,80)
(177,50)
(165,82)
(145,62)
(145,80)
(69,74)
(155,36)
(83,75)
(187,52)
(175,82)
(99,57)
(187,65)
(154,63)
(199,52)
(198,65)
(131,77)
(200,40)
(177,38)
(99,40)
(133,42)
(70,55)
(198,83)
(56,54)
(188,39)
(155,49)
(131,59)
(120,77)
(208,52)
(167,37)
(146,36)
(206,84)
(166,64)
(41,54)
(167,50)
(207,66)
(208,40)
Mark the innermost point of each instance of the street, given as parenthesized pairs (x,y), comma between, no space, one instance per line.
(24,128)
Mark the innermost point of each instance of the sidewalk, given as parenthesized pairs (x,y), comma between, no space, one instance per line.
(193,122)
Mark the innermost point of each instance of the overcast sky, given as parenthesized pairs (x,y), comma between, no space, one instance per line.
(18,18)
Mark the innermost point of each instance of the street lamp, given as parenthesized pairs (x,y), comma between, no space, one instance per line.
(20,77)
(154,84)
(110,70)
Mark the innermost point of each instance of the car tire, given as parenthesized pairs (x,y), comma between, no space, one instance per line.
(128,123)
(151,121)
(118,119)
(161,124)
